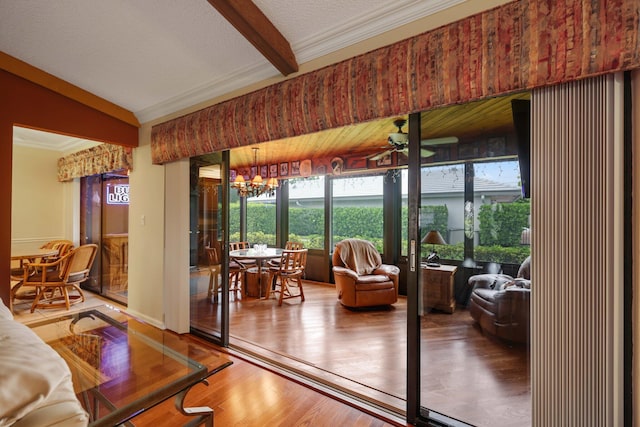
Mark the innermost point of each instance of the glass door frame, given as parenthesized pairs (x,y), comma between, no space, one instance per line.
(413,263)
(416,414)
(223,228)
(93,228)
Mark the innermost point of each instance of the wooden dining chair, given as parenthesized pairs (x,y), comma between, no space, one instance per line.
(288,275)
(214,254)
(215,268)
(238,268)
(290,245)
(60,276)
(62,246)
(234,246)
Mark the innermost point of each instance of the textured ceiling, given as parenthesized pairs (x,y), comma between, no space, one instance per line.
(154,57)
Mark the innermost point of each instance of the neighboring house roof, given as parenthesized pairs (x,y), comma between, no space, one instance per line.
(435,182)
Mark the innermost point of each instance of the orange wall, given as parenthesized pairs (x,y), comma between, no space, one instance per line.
(27,104)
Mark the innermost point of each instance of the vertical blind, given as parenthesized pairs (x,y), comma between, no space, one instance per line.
(577,257)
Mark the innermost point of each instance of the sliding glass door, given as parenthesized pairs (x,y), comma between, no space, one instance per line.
(468,286)
(104,220)
(208,301)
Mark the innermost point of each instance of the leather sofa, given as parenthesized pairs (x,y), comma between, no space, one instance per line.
(501,304)
(361,278)
(37,389)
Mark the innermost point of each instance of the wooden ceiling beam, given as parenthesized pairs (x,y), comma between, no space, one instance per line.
(249,20)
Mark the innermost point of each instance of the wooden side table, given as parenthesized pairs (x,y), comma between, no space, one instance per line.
(437,288)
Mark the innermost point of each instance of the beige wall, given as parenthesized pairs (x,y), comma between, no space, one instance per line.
(41,206)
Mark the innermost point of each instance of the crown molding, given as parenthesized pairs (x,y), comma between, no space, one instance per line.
(367,26)
(213,89)
(32,138)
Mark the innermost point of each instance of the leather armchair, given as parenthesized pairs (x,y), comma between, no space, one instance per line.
(361,278)
(501,304)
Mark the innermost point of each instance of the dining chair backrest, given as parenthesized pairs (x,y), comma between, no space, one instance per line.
(234,246)
(213,254)
(62,246)
(79,263)
(290,245)
(51,244)
(293,261)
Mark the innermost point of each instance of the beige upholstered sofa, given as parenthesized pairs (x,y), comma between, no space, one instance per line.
(361,278)
(35,382)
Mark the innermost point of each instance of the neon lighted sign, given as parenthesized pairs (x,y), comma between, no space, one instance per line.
(118,194)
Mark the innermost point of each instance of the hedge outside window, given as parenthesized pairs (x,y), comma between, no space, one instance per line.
(261,220)
(357,209)
(306,211)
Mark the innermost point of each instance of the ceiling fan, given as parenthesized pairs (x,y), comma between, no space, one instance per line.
(399,142)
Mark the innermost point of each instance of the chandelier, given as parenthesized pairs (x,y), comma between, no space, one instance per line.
(256,186)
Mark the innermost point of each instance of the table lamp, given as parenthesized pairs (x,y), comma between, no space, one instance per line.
(433,237)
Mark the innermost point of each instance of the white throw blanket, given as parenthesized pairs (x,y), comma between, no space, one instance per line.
(360,256)
(34,379)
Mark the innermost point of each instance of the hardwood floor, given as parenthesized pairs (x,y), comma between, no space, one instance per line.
(244,393)
(465,374)
(248,395)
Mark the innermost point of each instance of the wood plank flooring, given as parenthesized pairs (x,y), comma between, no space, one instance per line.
(248,395)
(243,394)
(465,374)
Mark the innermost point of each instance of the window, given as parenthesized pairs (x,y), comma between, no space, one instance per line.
(442,207)
(234,216)
(494,220)
(306,211)
(261,220)
(501,214)
(357,209)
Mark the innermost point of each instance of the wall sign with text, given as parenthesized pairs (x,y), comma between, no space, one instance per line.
(118,194)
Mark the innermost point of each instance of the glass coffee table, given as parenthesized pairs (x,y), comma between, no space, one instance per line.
(122,366)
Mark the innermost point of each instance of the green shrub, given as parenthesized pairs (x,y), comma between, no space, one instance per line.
(502,223)
(361,222)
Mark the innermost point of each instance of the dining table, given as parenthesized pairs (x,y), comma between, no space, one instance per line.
(30,254)
(23,254)
(261,256)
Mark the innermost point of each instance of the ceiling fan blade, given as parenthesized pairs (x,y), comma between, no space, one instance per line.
(439,141)
(379,156)
(426,153)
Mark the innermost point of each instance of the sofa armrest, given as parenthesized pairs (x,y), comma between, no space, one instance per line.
(512,304)
(522,283)
(389,270)
(489,281)
(5,313)
(33,377)
(61,409)
(342,271)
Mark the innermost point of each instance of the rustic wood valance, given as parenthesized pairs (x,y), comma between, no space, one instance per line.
(100,159)
(517,46)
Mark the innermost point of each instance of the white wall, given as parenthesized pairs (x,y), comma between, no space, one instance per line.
(40,206)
